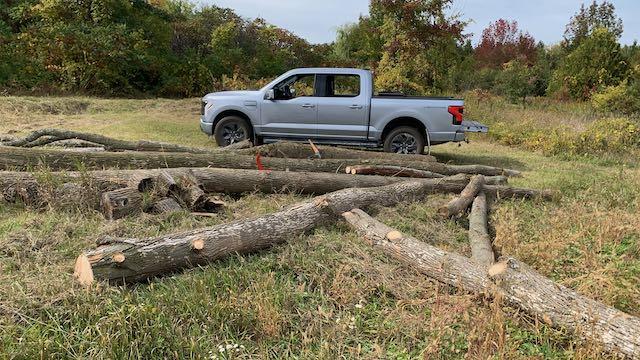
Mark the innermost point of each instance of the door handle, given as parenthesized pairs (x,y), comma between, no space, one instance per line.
(355,107)
(308,106)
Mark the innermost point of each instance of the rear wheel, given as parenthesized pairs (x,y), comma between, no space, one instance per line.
(404,140)
(232,129)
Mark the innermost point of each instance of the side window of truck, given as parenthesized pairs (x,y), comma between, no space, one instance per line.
(295,86)
(338,85)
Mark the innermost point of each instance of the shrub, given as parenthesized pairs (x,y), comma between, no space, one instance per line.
(619,99)
(609,135)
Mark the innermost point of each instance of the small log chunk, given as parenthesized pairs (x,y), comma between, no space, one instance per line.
(141,181)
(165,184)
(481,249)
(511,280)
(462,202)
(166,206)
(389,170)
(190,193)
(120,203)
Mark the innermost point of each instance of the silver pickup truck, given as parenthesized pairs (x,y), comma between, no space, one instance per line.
(334,106)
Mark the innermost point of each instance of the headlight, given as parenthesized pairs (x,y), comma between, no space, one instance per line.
(202,106)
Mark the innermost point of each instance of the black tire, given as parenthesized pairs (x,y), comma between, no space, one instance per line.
(404,140)
(232,129)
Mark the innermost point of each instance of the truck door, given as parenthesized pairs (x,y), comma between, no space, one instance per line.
(294,110)
(343,108)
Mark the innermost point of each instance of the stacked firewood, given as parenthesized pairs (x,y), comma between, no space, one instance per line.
(165,178)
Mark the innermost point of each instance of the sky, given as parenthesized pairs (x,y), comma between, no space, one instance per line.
(317,21)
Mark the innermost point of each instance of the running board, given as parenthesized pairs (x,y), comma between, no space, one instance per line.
(268,140)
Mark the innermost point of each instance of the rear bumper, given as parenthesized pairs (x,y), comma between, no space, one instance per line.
(206,127)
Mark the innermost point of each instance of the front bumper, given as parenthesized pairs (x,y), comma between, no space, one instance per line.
(206,127)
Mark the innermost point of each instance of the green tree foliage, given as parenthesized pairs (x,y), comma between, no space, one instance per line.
(595,64)
(124,47)
(588,19)
(516,81)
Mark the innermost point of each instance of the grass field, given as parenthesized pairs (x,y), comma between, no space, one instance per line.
(324,295)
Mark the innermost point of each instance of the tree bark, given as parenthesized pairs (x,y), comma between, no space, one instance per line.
(131,260)
(287,149)
(479,239)
(389,170)
(54,135)
(245,144)
(462,202)
(511,280)
(121,203)
(14,158)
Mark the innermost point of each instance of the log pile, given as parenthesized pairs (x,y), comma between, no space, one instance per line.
(158,178)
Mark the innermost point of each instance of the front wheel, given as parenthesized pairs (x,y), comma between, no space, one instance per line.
(404,140)
(230,130)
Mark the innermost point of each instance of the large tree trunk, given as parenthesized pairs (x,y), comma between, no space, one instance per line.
(479,239)
(132,260)
(287,149)
(511,280)
(230,181)
(462,202)
(46,136)
(13,158)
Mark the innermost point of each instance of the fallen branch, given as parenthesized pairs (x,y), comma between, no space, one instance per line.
(46,136)
(15,158)
(479,239)
(462,202)
(511,280)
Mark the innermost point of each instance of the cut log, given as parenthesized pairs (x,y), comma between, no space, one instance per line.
(15,158)
(54,135)
(165,206)
(511,280)
(479,239)
(232,181)
(391,171)
(119,203)
(462,202)
(287,149)
(145,258)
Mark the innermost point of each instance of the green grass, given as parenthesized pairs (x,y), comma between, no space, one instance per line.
(323,295)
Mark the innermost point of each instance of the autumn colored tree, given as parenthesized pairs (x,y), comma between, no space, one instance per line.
(503,42)
(588,19)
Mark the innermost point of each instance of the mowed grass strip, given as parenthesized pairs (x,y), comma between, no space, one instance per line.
(322,295)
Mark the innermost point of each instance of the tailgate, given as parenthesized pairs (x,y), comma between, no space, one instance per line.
(473,127)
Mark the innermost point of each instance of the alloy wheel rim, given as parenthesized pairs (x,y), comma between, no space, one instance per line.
(233,133)
(404,143)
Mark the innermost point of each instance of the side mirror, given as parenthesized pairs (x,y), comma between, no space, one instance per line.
(270,95)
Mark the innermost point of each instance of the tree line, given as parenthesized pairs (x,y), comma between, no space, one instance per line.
(173,48)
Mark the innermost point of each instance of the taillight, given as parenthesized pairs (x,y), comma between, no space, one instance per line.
(457,112)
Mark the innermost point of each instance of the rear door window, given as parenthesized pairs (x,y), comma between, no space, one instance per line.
(347,86)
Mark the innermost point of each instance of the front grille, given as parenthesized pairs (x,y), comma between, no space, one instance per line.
(202,105)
